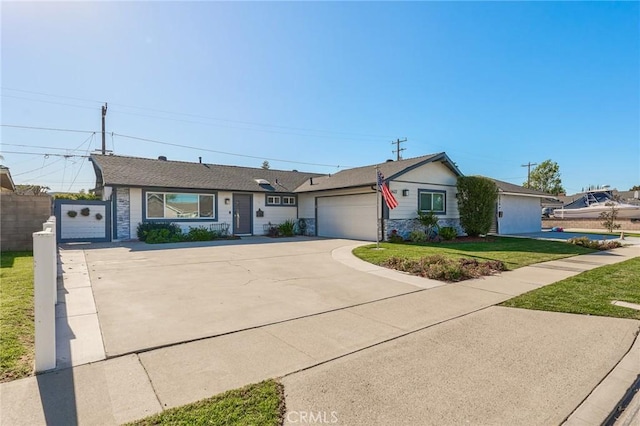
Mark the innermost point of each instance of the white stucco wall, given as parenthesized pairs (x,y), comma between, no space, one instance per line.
(519,214)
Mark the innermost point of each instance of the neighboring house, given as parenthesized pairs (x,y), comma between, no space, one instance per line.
(6,182)
(518,209)
(194,194)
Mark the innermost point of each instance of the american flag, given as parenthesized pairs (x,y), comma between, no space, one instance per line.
(391,201)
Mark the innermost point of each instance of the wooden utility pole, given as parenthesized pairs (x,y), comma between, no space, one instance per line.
(104,143)
(528,166)
(398,150)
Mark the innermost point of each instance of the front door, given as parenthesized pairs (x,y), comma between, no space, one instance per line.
(242,214)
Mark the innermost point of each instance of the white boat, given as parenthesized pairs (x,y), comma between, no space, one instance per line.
(593,203)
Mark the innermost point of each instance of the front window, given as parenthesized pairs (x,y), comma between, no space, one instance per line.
(432,201)
(289,201)
(170,205)
(273,200)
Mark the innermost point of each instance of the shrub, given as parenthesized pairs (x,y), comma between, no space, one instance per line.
(609,218)
(72,213)
(418,236)
(201,233)
(74,196)
(156,236)
(274,230)
(594,244)
(430,222)
(448,233)
(145,227)
(85,211)
(98,216)
(286,228)
(441,268)
(476,202)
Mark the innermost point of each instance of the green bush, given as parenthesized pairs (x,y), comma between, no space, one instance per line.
(145,227)
(430,222)
(476,203)
(448,233)
(286,228)
(594,244)
(418,236)
(157,236)
(201,233)
(394,237)
(73,196)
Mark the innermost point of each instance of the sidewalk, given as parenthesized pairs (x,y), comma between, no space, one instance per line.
(126,388)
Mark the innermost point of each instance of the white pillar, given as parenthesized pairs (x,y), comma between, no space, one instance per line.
(50,226)
(44,272)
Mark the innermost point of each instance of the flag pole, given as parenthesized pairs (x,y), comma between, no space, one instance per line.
(377,209)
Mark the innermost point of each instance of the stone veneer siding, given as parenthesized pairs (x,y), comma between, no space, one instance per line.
(311,225)
(406,226)
(123,214)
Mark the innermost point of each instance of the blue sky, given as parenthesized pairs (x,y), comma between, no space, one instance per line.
(494,84)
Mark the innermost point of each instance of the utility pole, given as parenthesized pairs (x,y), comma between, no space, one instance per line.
(528,166)
(104,143)
(398,150)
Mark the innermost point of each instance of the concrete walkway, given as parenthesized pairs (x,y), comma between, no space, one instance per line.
(469,348)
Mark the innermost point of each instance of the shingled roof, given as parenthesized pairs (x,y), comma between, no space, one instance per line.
(366,176)
(116,170)
(511,188)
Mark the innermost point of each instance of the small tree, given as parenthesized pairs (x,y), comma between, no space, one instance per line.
(609,218)
(476,203)
(429,221)
(265,165)
(546,178)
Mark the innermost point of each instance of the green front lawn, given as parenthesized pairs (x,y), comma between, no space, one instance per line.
(257,404)
(514,252)
(590,292)
(16,315)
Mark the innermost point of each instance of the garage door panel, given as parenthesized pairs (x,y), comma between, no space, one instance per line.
(348,216)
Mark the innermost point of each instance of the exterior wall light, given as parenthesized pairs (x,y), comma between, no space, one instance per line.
(227,200)
(405,192)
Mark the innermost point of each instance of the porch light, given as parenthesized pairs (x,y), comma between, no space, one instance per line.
(405,192)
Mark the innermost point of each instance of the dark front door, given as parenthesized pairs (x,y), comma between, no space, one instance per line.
(242,213)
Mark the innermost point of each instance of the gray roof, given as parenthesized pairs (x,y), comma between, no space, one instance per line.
(517,189)
(366,176)
(116,170)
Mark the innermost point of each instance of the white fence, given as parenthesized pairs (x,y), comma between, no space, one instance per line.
(45,270)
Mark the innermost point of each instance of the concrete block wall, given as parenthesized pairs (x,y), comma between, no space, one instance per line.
(20,217)
(595,224)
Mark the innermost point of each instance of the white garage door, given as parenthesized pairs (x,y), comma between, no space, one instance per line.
(348,216)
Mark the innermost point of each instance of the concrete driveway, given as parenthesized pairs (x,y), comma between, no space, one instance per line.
(152,296)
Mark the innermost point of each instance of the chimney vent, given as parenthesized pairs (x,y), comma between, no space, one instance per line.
(310,181)
(162,158)
(200,160)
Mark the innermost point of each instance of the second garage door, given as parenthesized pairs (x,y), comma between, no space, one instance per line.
(348,216)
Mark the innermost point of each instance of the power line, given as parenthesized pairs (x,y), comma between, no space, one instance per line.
(53,129)
(47,102)
(53,96)
(181,114)
(45,154)
(226,153)
(63,156)
(35,146)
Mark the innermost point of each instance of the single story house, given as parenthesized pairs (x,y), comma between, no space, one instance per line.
(340,205)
